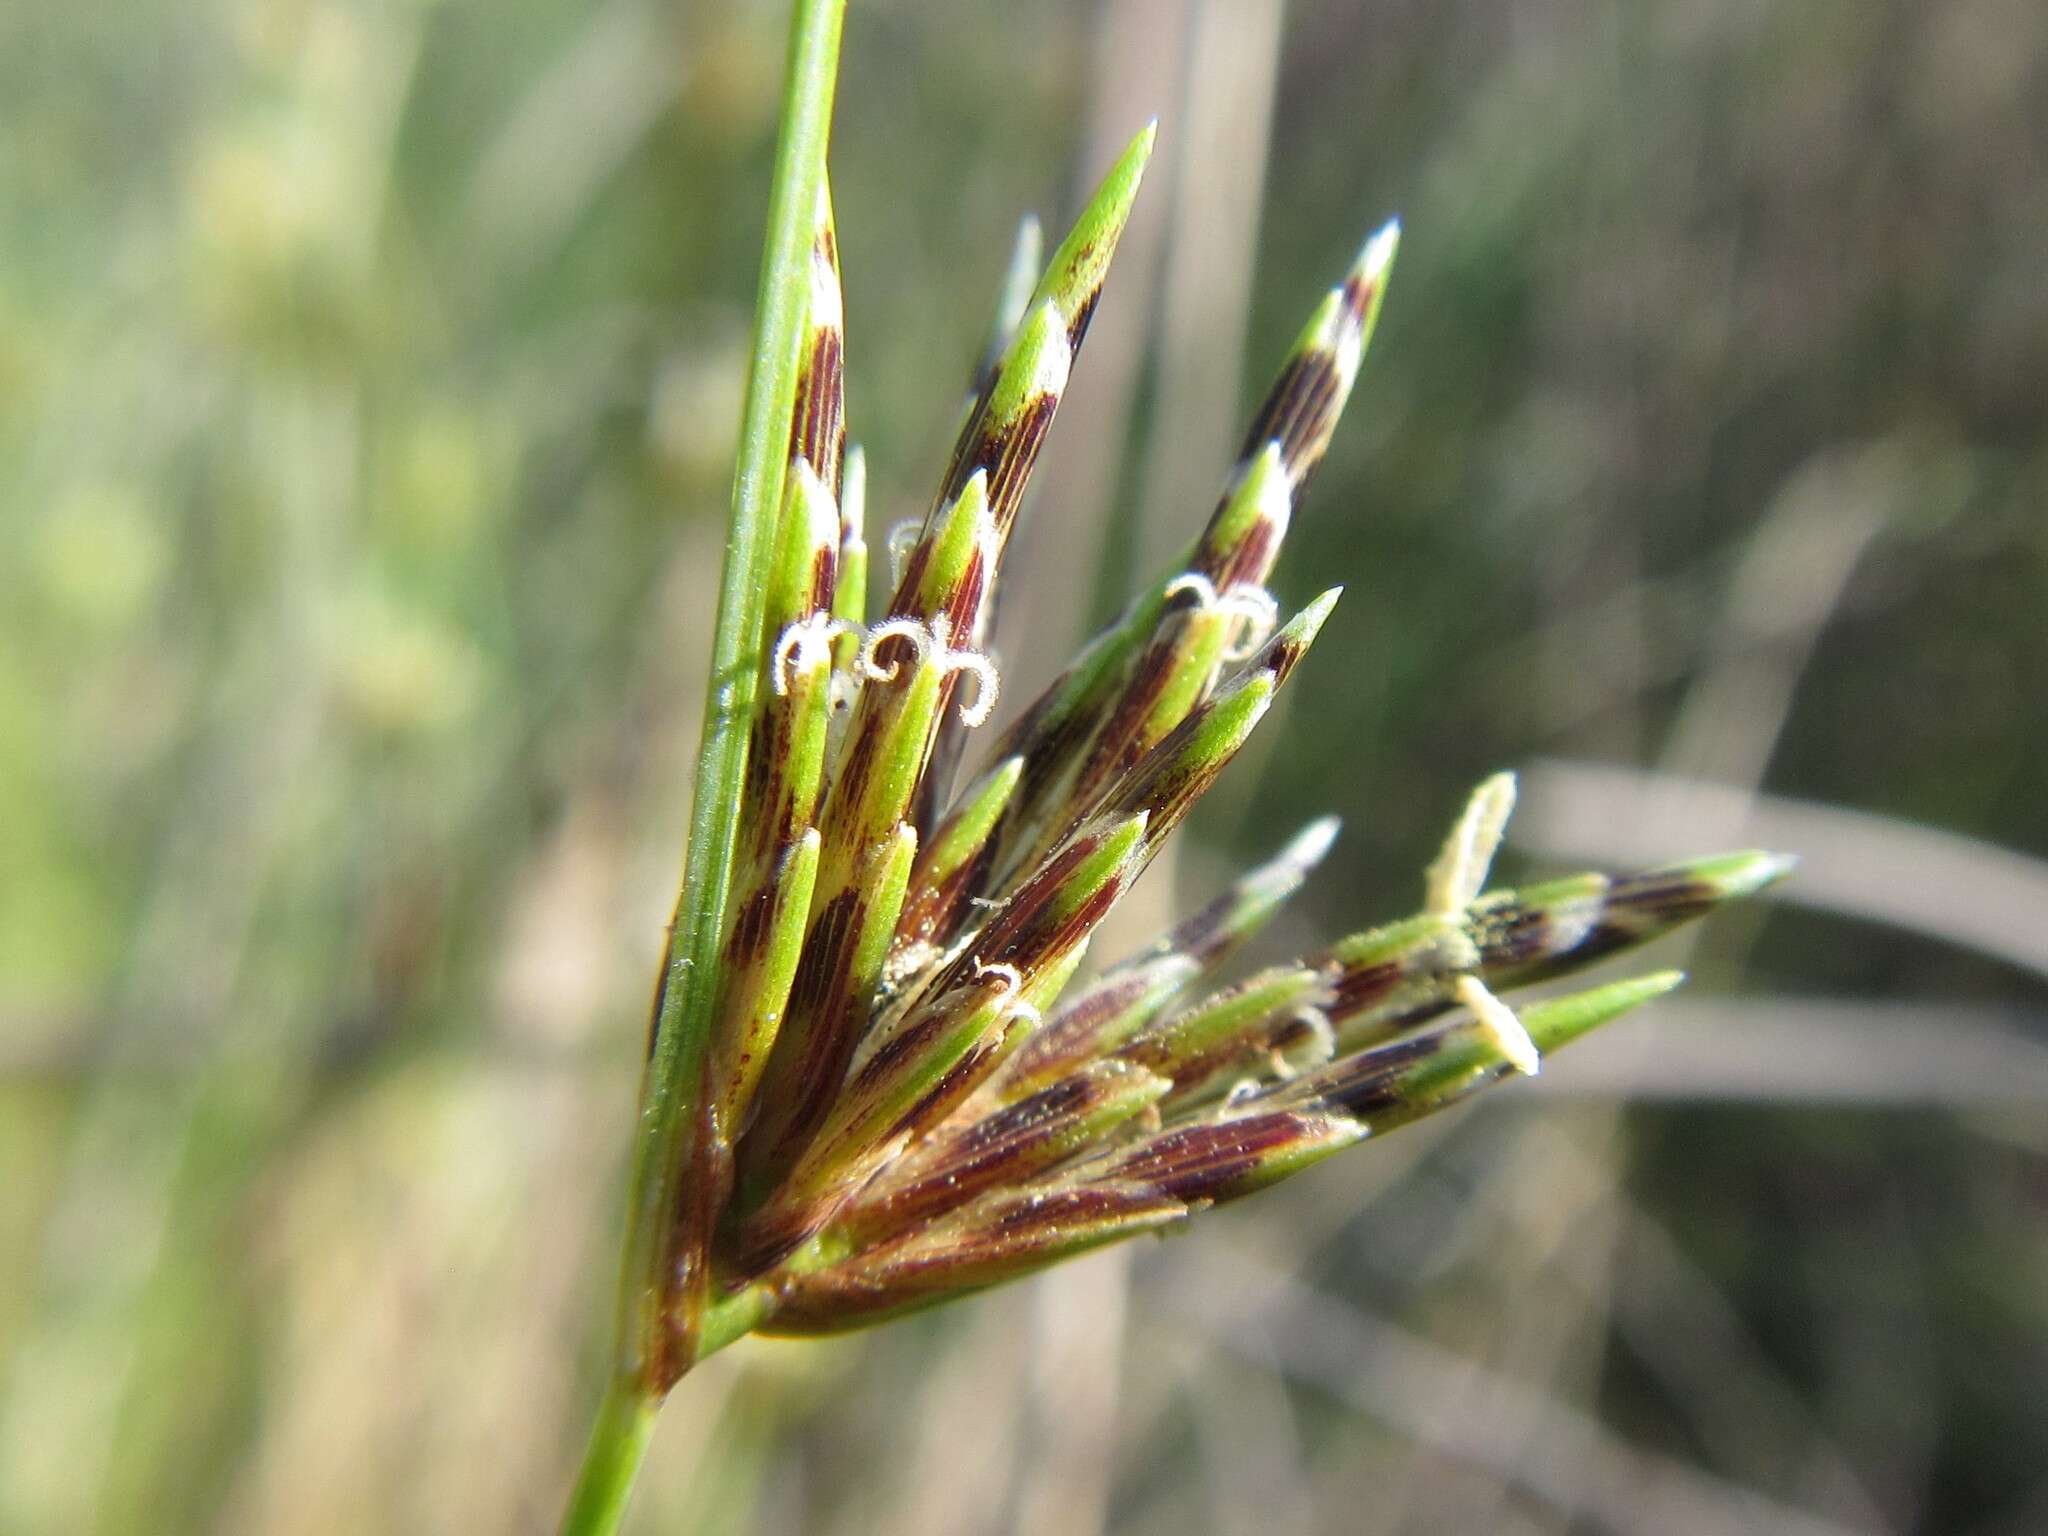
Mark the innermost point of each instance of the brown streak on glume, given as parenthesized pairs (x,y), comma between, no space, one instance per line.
(750,928)
(1308,434)
(1515,936)
(1209,1162)
(1053,1209)
(953,1085)
(824,578)
(1118,745)
(1034,894)
(1009,455)
(1074,1028)
(1367,1082)
(1287,406)
(1079,923)
(902,1046)
(827,953)
(1357,988)
(1077,328)
(962,606)
(1672,898)
(961,466)
(850,783)
(1358,292)
(1251,562)
(817,431)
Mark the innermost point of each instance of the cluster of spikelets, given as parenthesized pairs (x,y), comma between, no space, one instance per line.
(901,1097)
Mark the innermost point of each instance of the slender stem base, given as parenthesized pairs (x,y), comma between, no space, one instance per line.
(625,1423)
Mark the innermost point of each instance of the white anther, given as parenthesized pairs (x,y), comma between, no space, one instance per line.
(1509,1035)
(1195,582)
(805,645)
(912,630)
(1455,881)
(1012,1006)
(1459,873)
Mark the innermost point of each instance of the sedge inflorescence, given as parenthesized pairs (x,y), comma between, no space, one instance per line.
(905,1093)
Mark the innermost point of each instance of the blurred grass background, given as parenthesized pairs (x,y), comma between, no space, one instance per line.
(369,371)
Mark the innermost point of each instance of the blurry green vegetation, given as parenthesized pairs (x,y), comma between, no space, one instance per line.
(368,381)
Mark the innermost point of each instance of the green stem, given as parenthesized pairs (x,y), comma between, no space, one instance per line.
(625,1423)
(645,1365)
(669,1096)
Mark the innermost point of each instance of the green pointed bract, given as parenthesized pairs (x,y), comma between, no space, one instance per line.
(1173,676)
(785,758)
(878,764)
(1246,530)
(1529,935)
(1073,278)
(948,572)
(763,945)
(1020,406)
(945,869)
(802,580)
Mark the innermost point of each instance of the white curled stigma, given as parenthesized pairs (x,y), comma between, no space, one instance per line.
(988,683)
(869,664)
(901,540)
(934,647)
(805,645)
(1247,601)
(1011,1006)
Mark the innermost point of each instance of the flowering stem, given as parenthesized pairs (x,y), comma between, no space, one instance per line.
(625,1423)
(647,1358)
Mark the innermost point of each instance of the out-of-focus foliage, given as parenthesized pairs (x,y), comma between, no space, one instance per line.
(368,381)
